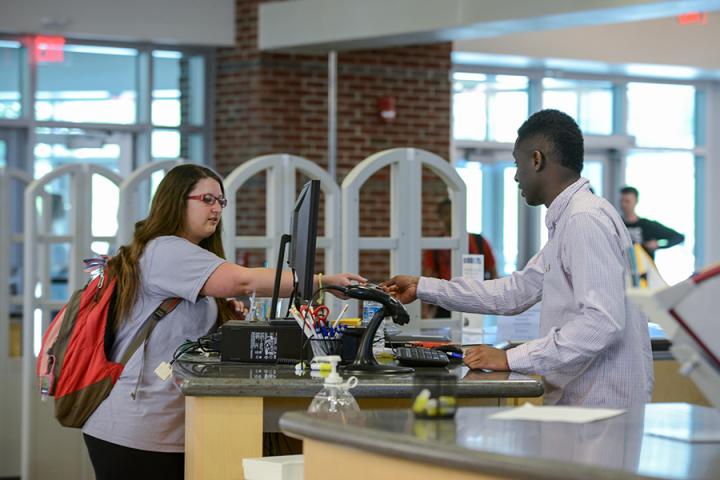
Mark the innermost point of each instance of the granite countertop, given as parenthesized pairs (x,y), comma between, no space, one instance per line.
(213,378)
(617,448)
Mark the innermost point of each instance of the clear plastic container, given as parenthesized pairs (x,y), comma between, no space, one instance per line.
(369,310)
(335,397)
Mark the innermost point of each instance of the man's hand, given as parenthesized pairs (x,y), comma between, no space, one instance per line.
(402,287)
(486,357)
(651,245)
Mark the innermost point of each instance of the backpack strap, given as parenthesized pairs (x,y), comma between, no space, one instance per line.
(165,307)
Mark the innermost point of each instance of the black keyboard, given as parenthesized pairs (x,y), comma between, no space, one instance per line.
(421,357)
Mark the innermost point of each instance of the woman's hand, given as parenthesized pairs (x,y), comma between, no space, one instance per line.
(342,280)
(238,308)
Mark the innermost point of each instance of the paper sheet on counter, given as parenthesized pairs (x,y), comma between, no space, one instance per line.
(557,414)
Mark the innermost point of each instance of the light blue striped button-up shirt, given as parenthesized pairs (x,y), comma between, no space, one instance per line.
(594,348)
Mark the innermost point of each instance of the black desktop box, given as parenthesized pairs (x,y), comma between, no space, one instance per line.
(263,342)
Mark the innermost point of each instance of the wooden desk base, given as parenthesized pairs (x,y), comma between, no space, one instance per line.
(221,431)
(352,464)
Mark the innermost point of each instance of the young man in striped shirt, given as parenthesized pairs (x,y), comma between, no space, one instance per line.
(594,348)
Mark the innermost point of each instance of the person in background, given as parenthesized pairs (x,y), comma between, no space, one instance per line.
(594,348)
(650,234)
(138,431)
(438,263)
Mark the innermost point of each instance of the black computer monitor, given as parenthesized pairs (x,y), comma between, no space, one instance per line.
(304,235)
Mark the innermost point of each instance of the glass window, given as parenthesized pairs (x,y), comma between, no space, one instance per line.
(60,146)
(661,115)
(594,171)
(510,221)
(59,254)
(471,173)
(178,89)
(666,183)
(479,97)
(3,153)
(10,64)
(165,144)
(105,199)
(589,102)
(90,84)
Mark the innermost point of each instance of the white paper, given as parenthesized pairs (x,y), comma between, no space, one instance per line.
(523,326)
(164,370)
(557,414)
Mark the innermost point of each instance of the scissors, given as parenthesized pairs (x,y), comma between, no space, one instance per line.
(319,314)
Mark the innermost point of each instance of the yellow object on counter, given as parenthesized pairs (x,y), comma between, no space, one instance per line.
(351,322)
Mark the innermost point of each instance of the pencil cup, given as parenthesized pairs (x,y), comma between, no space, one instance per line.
(326,346)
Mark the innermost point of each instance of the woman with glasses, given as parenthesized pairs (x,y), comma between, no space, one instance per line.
(138,431)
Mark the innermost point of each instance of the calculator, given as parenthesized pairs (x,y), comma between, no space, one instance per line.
(421,357)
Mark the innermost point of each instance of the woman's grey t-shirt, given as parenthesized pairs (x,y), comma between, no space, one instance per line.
(155,420)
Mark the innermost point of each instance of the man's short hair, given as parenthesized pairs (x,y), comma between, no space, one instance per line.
(561,131)
(629,190)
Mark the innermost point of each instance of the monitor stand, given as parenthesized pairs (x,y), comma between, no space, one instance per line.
(284,240)
(365,361)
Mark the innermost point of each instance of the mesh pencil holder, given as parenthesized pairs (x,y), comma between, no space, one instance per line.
(326,346)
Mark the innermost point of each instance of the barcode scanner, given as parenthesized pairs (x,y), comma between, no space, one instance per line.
(365,361)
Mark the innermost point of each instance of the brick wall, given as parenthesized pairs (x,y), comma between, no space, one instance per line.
(270,103)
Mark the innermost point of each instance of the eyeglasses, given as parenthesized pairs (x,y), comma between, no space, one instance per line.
(209,199)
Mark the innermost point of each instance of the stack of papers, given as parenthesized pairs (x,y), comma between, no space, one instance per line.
(557,414)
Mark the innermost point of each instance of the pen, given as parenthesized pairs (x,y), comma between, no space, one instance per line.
(454,355)
(337,320)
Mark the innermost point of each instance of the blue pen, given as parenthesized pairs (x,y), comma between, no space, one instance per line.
(323,330)
(454,355)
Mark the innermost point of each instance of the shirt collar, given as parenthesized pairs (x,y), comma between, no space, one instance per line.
(557,207)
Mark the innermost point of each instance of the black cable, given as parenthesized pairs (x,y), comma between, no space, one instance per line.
(183,349)
(317,292)
(293,293)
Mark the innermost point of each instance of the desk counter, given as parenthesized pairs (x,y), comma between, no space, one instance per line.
(387,444)
(228,407)
(248,380)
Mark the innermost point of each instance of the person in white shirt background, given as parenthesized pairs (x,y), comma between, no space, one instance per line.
(594,348)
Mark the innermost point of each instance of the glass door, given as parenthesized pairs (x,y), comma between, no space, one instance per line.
(62,146)
(666,183)
(492,202)
(12,184)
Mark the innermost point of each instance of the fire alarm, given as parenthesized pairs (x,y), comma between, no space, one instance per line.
(386,109)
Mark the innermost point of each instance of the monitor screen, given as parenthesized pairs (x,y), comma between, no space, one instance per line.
(304,235)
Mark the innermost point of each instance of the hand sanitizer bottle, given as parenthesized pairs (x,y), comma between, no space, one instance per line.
(335,397)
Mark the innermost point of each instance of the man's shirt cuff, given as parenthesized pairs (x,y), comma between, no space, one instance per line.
(518,358)
(427,289)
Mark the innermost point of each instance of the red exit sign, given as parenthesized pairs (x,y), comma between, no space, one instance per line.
(49,49)
(692,18)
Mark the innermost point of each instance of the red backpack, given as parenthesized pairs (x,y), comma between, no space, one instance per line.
(73,364)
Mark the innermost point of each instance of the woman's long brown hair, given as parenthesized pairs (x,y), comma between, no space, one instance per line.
(166,217)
